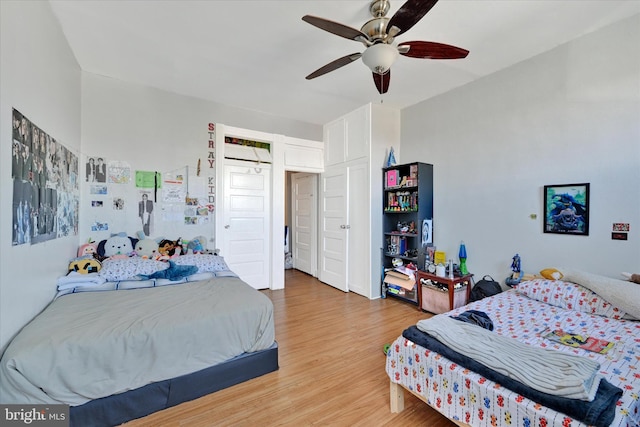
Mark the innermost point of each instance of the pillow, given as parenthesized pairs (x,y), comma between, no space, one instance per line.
(621,293)
(551,274)
(204,262)
(569,295)
(114,270)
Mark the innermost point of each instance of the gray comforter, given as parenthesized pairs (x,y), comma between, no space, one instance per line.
(89,345)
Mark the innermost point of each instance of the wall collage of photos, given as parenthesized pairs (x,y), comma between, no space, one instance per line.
(45,185)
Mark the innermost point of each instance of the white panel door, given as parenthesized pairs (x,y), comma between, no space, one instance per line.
(334,228)
(359,231)
(247,224)
(304,217)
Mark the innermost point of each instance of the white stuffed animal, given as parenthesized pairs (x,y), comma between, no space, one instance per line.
(118,245)
(147,248)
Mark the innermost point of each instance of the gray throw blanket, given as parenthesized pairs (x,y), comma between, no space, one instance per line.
(547,371)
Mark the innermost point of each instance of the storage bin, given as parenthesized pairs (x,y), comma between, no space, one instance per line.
(436,301)
(401,292)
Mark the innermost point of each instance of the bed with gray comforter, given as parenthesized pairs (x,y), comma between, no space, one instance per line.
(90,345)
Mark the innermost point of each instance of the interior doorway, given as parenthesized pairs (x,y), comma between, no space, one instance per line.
(301,219)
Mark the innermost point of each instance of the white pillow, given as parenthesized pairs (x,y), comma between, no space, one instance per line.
(114,270)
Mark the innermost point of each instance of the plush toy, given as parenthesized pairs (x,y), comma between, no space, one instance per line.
(173,272)
(118,246)
(632,277)
(147,248)
(197,245)
(168,247)
(89,248)
(551,274)
(85,264)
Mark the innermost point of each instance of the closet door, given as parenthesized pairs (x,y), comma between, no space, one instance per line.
(359,231)
(333,228)
(247,221)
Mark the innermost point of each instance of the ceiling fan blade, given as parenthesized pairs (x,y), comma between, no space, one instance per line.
(408,15)
(336,28)
(431,50)
(334,65)
(382,81)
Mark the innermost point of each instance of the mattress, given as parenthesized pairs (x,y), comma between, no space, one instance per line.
(89,345)
(465,396)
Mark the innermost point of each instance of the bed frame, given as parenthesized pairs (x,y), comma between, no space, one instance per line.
(132,404)
(396,400)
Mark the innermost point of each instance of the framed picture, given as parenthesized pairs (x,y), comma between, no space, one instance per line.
(566,209)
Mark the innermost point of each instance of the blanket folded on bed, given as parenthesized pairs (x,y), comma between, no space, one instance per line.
(545,370)
(72,279)
(598,412)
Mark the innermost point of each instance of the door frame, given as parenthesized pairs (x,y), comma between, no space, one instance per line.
(279,169)
(313,244)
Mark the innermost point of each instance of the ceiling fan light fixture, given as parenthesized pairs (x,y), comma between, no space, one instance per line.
(380,57)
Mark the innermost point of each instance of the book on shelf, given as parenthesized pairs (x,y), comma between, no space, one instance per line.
(392,177)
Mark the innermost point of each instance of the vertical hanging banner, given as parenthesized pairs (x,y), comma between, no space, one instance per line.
(211,175)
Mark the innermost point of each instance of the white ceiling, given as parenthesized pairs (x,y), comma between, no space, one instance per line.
(256,54)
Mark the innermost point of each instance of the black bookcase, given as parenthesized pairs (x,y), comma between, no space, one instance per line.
(407,202)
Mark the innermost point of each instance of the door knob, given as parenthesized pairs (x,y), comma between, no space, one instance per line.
(227,226)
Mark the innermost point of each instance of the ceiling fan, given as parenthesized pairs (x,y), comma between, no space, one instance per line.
(378,35)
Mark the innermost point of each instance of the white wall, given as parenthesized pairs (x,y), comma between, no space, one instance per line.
(149,128)
(154,130)
(570,115)
(39,77)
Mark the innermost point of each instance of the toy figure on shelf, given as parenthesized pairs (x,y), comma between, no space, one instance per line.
(515,264)
(462,254)
(516,274)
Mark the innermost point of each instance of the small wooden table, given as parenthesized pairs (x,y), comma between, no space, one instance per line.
(433,280)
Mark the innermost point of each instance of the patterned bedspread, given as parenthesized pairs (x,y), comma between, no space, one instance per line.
(465,396)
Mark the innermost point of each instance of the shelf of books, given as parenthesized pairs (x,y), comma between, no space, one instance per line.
(407,209)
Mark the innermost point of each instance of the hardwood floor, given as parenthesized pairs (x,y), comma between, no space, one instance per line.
(332,368)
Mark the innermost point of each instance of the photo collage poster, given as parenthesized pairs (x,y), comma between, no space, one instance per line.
(45,185)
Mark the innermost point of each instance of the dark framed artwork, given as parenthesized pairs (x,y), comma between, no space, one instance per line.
(566,209)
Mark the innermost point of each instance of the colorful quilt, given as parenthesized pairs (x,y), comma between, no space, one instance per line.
(465,396)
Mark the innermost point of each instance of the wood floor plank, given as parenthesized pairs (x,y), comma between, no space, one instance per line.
(332,368)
